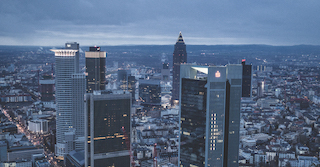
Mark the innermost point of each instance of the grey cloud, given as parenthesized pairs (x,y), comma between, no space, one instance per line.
(159,22)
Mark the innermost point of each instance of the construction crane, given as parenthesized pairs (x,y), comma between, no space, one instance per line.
(128,146)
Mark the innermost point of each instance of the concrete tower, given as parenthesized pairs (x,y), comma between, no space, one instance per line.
(70,89)
(65,67)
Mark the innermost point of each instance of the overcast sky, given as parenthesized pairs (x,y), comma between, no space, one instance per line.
(135,22)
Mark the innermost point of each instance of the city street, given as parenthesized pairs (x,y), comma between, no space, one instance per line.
(35,139)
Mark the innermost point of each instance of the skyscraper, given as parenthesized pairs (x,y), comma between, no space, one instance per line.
(150,92)
(78,91)
(95,69)
(132,87)
(210,115)
(106,114)
(165,72)
(123,78)
(69,84)
(179,57)
(74,46)
(127,82)
(65,67)
(47,88)
(246,79)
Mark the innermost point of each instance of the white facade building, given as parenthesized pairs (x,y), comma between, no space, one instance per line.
(38,126)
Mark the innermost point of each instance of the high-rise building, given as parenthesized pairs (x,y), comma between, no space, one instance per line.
(179,57)
(246,79)
(127,82)
(65,67)
(69,96)
(260,89)
(165,72)
(106,114)
(47,88)
(132,87)
(78,91)
(74,46)
(123,78)
(95,69)
(210,115)
(150,92)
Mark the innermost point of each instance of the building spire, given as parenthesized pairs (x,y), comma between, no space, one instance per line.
(180,38)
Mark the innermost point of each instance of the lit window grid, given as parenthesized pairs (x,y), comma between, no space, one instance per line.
(214,129)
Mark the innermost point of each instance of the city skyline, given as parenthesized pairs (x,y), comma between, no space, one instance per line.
(143,22)
(277,126)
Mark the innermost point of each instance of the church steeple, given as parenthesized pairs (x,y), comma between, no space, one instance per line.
(180,38)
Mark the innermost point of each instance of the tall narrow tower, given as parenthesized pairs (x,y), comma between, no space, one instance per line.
(179,57)
(95,69)
(246,79)
(70,89)
(65,67)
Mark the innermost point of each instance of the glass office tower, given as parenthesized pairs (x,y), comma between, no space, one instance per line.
(246,79)
(105,115)
(210,115)
(95,69)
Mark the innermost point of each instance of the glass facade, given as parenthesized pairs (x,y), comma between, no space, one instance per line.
(233,122)
(132,87)
(113,162)
(106,114)
(123,79)
(193,122)
(246,80)
(78,91)
(96,70)
(216,126)
(210,115)
(109,117)
(150,92)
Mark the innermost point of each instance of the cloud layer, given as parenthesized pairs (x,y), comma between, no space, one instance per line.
(122,22)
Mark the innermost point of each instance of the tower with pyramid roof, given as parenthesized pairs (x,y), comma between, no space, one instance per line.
(179,57)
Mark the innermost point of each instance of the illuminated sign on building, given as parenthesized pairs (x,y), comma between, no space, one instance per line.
(218,74)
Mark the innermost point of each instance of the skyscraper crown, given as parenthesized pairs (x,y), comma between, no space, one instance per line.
(180,39)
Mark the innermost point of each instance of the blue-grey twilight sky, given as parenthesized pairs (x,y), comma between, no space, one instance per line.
(135,22)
